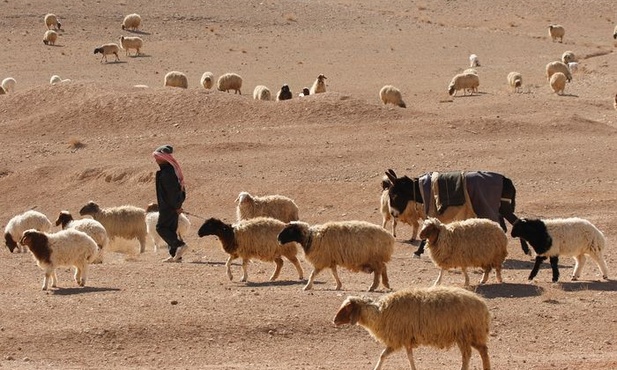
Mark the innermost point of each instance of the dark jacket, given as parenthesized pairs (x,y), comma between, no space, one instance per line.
(169,193)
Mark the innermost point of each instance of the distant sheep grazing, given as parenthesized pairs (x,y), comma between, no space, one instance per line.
(284,93)
(133,42)
(17,225)
(230,81)
(107,49)
(568,56)
(558,83)
(131,22)
(254,238)
(556,31)
(176,79)
(409,318)
(319,86)
(92,227)
(474,61)
(275,206)
(55,79)
(391,95)
(465,82)
(65,248)
(515,80)
(261,92)
(412,215)
(475,242)
(207,80)
(557,66)
(50,37)
(51,20)
(8,84)
(128,222)
(355,245)
(152,218)
(566,237)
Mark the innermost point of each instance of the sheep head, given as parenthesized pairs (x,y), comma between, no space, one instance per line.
(10,243)
(63,219)
(152,207)
(350,310)
(89,209)
(38,244)
(533,231)
(295,232)
(243,196)
(430,230)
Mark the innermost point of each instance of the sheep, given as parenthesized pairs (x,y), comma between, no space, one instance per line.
(128,43)
(355,245)
(8,84)
(557,66)
(558,83)
(176,79)
(230,81)
(573,67)
(254,238)
(261,92)
(51,20)
(391,95)
(515,80)
(284,93)
(207,80)
(568,56)
(475,242)
(92,227)
(464,81)
(55,79)
(128,222)
(275,206)
(409,318)
(131,22)
(474,61)
(319,86)
(152,218)
(411,216)
(18,224)
(567,237)
(68,247)
(305,92)
(50,37)
(556,31)
(107,49)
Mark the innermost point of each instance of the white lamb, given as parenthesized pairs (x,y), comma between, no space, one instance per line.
(474,61)
(92,227)
(275,206)
(50,37)
(65,248)
(176,79)
(207,80)
(51,20)
(230,81)
(133,42)
(8,84)
(319,86)
(152,217)
(568,56)
(55,79)
(515,80)
(475,242)
(566,237)
(261,92)
(131,22)
(17,225)
(391,95)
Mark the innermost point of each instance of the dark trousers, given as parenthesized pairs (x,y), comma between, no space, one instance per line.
(167,227)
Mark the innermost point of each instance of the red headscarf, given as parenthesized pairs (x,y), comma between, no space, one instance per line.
(164,153)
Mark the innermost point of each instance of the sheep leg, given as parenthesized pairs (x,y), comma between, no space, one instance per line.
(438,281)
(384,276)
(84,273)
(420,249)
(54,279)
(245,263)
(554,266)
(277,270)
(336,278)
(48,276)
(599,260)
(142,244)
(536,267)
(578,267)
(376,275)
(466,276)
(309,285)
(465,353)
(117,57)
(228,268)
(412,365)
(394,222)
(416,229)
(498,274)
(383,356)
(485,275)
(483,349)
(296,263)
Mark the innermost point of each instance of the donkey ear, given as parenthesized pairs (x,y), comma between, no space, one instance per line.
(391,175)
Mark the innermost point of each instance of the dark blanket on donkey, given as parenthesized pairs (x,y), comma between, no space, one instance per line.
(484,190)
(451,190)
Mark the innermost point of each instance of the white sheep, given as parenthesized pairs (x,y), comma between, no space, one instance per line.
(261,92)
(573,67)
(50,37)
(131,22)
(475,242)
(474,61)
(409,318)
(230,81)
(558,66)
(515,80)
(8,84)
(412,214)
(55,79)
(566,237)
(152,218)
(568,56)
(107,49)
(51,20)
(391,95)
(558,83)
(284,93)
(176,79)
(556,31)
(18,224)
(207,80)
(355,245)
(319,86)
(275,206)
(254,238)
(133,42)
(65,248)
(465,82)
(128,222)
(92,227)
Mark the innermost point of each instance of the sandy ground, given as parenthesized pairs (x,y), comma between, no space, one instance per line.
(91,139)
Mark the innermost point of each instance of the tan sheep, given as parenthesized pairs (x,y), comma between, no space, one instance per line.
(131,22)
(128,43)
(319,86)
(207,80)
(230,81)
(568,56)
(391,95)
(8,84)
(261,92)
(176,79)
(438,317)
(475,242)
(107,49)
(558,66)
(558,83)
(254,238)
(50,37)
(413,213)
(276,206)
(556,31)
(515,80)
(51,20)
(355,245)
(465,82)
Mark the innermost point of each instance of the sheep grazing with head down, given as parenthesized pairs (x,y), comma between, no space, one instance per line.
(261,92)
(108,49)
(17,225)
(438,317)
(55,79)
(474,61)
(391,95)
(126,222)
(92,227)
(556,31)
(566,237)
(515,80)
(412,215)
(51,20)
(68,247)
(558,83)
(230,81)
(355,245)
(176,79)
(284,93)
(557,66)
(319,86)
(152,218)
(475,242)
(207,80)
(465,82)
(50,37)
(275,206)
(131,22)
(253,239)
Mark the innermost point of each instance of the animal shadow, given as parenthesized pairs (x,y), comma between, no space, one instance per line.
(84,290)
(509,290)
(253,284)
(596,285)
(139,32)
